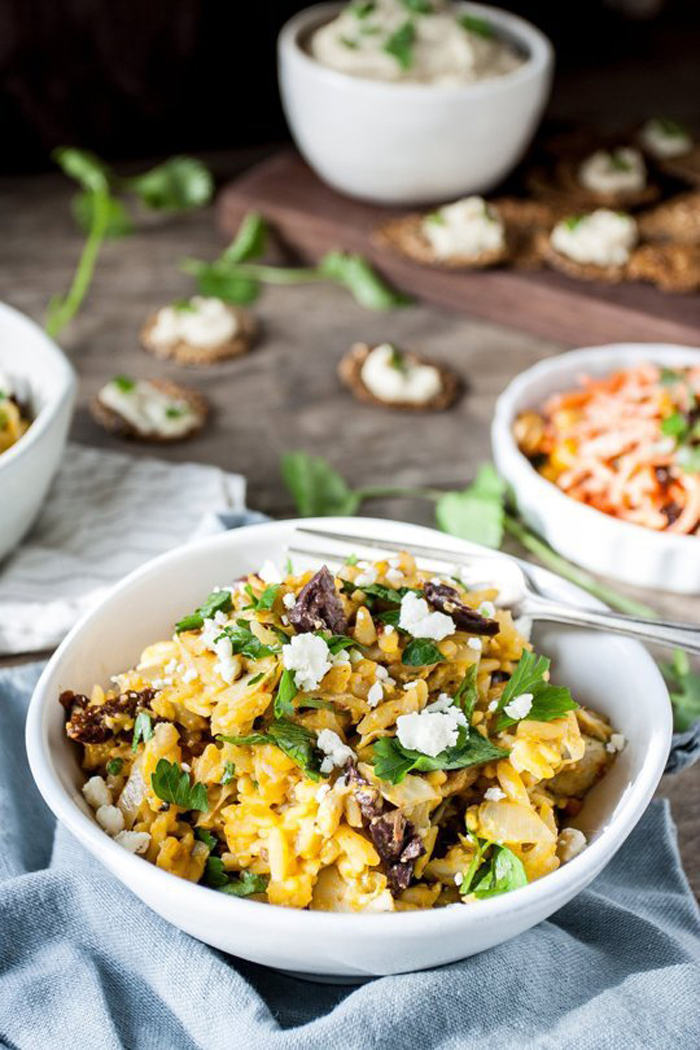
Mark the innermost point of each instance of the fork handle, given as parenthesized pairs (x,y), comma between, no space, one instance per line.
(675,635)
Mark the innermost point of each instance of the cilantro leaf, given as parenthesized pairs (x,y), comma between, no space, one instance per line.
(218,601)
(177,184)
(477,512)
(318,490)
(172,784)
(361,280)
(114,766)
(392,761)
(244,642)
(400,44)
(286,691)
(220,282)
(548,701)
(420,652)
(250,241)
(143,729)
(502,873)
(296,741)
(85,167)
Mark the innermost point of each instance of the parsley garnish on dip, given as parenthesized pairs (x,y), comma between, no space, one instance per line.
(427,41)
(619,171)
(664,138)
(469,227)
(149,409)
(603,238)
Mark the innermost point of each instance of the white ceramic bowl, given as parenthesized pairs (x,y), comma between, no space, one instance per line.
(615,675)
(26,469)
(597,541)
(412,143)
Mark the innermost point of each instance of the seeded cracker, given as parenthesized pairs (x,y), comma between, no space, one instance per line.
(405,236)
(114,423)
(671,267)
(350,373)
(676,220)
(581,271)
(185,353)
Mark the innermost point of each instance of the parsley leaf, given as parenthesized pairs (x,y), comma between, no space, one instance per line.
(296,741)
(244,642)
(172,784)
(218,878)
(420,652)
(256,678)
(218,601)
(114,766)
(318,490)
(466,695)
(229,773)
(337,642)
(143,729)
(548,701)
(205,836)
(286,691)
(392,761)
(502,873)
(480,26)
(477,512)
(267,598)
(400,44)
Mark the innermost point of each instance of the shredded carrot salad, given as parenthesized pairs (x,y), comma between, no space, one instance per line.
(628,445)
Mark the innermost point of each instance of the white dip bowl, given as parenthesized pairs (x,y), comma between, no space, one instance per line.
(597,541)
(614,675)
(30,358)
(406,143)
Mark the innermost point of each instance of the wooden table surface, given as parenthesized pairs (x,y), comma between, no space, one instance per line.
(285,395)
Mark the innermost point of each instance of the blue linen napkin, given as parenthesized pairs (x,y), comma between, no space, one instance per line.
(83,963)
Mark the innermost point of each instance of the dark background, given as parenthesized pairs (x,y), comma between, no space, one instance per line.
(143,78)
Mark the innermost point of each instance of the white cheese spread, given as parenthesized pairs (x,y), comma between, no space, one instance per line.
(620,171)
(469,227)
(665,139)
(199,321)
(392,40)
(147,408)
(603,238)
(392,377)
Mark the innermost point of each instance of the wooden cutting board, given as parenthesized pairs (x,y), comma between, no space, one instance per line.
(312,218)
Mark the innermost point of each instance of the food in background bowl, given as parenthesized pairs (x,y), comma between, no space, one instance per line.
(627,444)
(379,740)
(430,42)
(14,414)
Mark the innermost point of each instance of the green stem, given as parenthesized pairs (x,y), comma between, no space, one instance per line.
(532,542)
(64,310)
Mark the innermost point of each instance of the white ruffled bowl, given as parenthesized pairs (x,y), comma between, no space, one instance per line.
(597,541)
(615,675)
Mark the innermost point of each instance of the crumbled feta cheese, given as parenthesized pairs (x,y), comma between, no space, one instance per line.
(394,577)
(389,629)
(308,657)
(212,628)
(441,704)
(570,843)
(615,743)
(519,706)
(419,621)
(381,672)
(492,706)
(355,656)
(430,732)
(621,171)
(475,644)
(227,665)
(487,609)
(459,878)
(340,659)
(322,792)
(285,619)
(375,694)
(190,675)
(494,794)
(96,793)
(111,819)
(366,578)
(337,753)
(289,600)
(171,666)
(269,573)
(134,841)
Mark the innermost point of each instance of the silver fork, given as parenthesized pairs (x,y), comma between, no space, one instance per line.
(517,589)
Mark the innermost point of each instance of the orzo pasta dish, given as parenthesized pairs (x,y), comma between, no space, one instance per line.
(381,739)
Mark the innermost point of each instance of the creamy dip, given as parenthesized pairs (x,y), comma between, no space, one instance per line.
(620,171)
(147,408)
(392,377)
(199,321)
(603,238)
(468,227)
(665,138)
(424,41)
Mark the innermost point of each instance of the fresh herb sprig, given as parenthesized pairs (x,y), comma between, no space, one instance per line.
(218,878)
(393,762)
(171,783)
(297,743)
(501,871)
(176,185)
(484,513)
(218,601)
(237,278)
(548,701)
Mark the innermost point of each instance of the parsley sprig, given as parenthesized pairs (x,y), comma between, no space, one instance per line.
(392,761)
(218,601)
(493,870)
(548,701)
(171,783)
(218,878)
(296,741)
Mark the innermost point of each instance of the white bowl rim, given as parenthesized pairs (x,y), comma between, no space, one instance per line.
(540,54)
(502,430)
(523,901)
(44,418)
